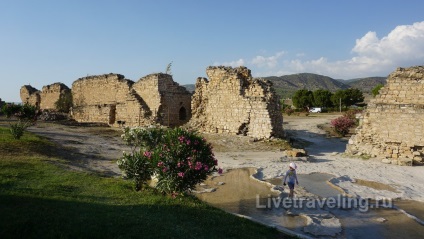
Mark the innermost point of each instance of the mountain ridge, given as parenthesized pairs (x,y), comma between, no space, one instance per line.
(286,85)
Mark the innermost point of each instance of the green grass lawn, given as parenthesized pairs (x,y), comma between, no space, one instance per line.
(39,198)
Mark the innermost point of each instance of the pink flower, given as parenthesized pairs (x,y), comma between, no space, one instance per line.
(188,142)
(220,170)
(206,167)
(160,164)
(190,164)
(164,170)
(181,139)
(198,166)
(179,164)
(189,158)
(215,162)
(147,154)
(181,174)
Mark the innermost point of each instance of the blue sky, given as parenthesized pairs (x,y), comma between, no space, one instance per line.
(43,42)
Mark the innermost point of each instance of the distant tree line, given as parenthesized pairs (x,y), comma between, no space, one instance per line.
(305,99)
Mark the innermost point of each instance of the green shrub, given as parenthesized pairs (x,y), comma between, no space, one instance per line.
(17,129)
(137,167)
(178,158)
(10,109)
(64,103)
(24,112)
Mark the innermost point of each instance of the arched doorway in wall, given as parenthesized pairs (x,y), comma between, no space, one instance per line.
(182,113)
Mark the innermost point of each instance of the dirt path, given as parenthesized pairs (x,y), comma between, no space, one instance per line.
(86,148)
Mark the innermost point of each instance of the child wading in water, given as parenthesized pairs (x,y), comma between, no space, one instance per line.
(291,174)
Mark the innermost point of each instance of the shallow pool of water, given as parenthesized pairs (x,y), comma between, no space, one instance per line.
(315,183)
(238,194)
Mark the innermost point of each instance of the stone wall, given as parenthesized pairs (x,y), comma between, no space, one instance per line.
(392,126)
(112,99)
(50,94)
(233,102)
(30,95)
(169,102)
(44,99)
(106,99)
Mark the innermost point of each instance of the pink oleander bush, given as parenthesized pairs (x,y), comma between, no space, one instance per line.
(178,158)
(342,125)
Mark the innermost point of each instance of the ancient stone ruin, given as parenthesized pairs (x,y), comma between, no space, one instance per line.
(393,123)
(114,100)
(44,99)
(233,102)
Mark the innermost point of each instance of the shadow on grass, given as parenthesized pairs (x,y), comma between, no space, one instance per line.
(27,217)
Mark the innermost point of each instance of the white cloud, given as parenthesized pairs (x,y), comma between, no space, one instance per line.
(403,46)
(270,62)
(371,56)
(239,62)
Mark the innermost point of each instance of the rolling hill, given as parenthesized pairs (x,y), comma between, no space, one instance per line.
(366,84)
(286,85)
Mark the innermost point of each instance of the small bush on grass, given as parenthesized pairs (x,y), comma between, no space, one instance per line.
(27,115)
(342,125)
(178,158)
(17,129)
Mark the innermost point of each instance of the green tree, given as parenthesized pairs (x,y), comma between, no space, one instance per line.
(339,97)
(322,98)
(303,99)
(376,89)
(347,97)
(64,103)
(354,96)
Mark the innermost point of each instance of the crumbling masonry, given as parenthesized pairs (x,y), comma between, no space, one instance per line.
(114,100)
(44,99)
(233,102)
(393,123)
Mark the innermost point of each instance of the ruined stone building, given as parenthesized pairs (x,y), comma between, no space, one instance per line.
(114,100)
(44,99)
(393,123)
(233,102)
